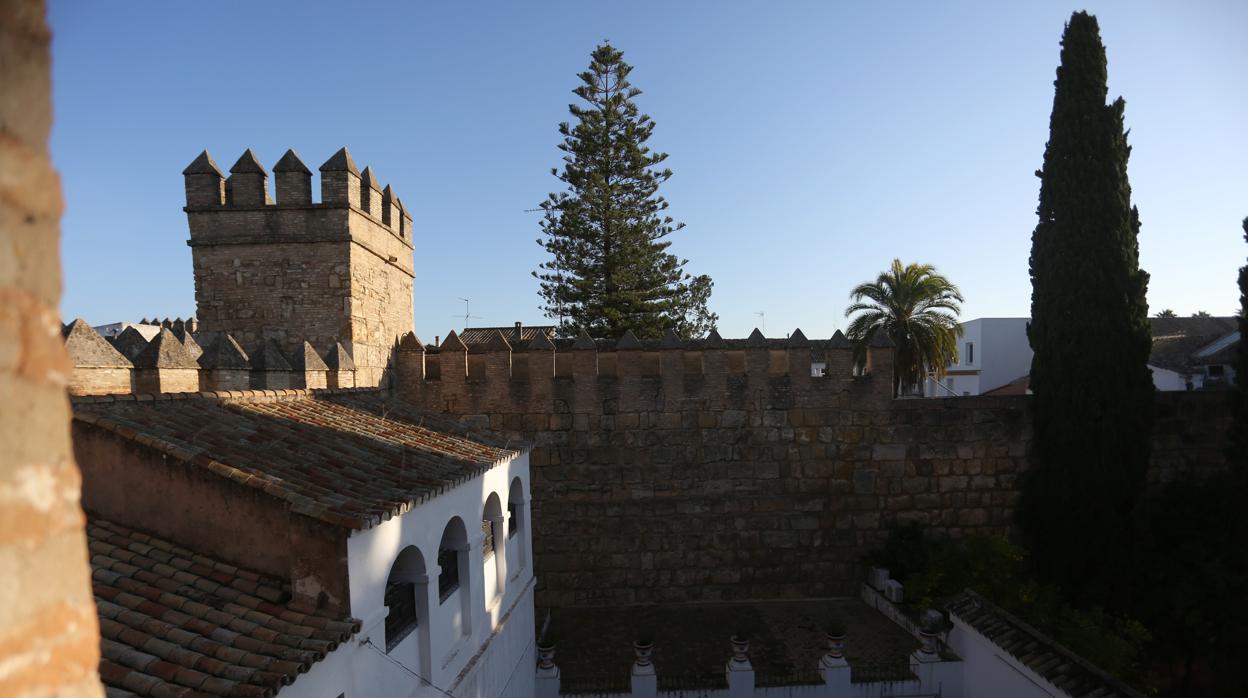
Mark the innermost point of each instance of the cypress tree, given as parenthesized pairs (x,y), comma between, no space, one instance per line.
(607,232)
(1089,330)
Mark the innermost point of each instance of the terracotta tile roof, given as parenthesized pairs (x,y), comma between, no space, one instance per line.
(350,458)
(177,624)
(1176,339)
(1075,676)
(481,335)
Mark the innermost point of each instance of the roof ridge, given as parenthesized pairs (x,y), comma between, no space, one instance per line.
(252,395)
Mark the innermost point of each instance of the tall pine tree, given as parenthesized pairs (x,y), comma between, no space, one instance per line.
(1089,330)
(609,269)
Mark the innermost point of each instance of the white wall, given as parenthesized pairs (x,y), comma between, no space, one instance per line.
(1005,350)
(492,657)
(990,672)
(1165,379)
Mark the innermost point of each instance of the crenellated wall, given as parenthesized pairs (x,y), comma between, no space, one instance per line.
(290,269)
(721,469)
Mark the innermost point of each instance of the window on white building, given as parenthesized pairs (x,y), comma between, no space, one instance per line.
(406,588)
(970,353)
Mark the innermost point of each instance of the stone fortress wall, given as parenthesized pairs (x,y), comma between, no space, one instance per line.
(721,469)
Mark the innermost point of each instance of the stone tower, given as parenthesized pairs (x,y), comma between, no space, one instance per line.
(292,270)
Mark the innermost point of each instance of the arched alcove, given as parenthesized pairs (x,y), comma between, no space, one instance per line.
(407,606)
(454,580)
(494,548)
(517,526)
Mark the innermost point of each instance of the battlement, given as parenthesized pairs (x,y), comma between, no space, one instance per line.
(186,361)
(584,375)
(287,269)
(246,188)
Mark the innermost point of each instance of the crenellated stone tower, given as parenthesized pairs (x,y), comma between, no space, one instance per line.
(292,270)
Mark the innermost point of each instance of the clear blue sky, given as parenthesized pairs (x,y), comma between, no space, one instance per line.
(811,142)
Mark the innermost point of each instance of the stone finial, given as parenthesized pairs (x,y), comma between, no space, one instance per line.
(340,162)
(225,353)
(453,343)
(294,180)
(306,358)
(248,163)
(714,341)
(798,340)
(192,347)
(390,211)
(340,181)
(497,342)
(756,340)
(248,181)
(203,164)
(268,357)
(541,342)
(291,163)
(165,351)
(628,342)
(205,185)
(838,341)
(410,342)
(339,359)
(87,349)
(130,343)
(671,340)
(584,342)
(370,193)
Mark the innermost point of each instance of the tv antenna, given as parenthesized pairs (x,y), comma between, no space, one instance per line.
(467,315)
(762,321)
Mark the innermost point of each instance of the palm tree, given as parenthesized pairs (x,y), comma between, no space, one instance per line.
(918,309)
(1167,313)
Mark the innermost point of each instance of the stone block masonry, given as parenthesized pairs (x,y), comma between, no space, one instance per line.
(721,470)
(340,270)
(49,637)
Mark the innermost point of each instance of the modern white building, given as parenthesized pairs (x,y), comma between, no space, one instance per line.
(992,352)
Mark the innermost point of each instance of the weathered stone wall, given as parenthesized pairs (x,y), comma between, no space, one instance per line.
(703,475)
(295,270)
(49,637)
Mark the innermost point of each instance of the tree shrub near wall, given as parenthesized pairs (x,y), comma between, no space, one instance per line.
(1089,330)
(933,569)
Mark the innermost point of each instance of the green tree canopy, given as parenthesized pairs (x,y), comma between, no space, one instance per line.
(1167,313)
(918,309)
(1089,330)
(610,270)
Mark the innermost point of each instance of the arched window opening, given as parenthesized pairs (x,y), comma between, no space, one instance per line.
(517,523)
(452,559)
(448,578)
(405,587)
(494,547)
(487,542)
(401,619)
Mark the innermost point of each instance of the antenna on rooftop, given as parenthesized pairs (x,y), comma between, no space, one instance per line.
(762,321)
(467,315)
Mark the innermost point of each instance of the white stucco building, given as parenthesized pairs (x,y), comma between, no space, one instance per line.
(305,544)
(992,352)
